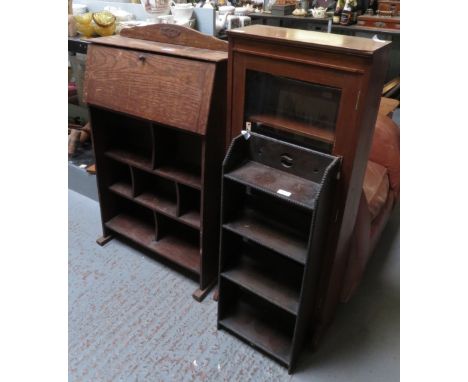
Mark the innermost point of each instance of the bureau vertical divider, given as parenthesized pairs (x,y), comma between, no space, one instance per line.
(157,105)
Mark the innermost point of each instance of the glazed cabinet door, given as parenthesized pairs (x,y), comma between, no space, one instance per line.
(308,105)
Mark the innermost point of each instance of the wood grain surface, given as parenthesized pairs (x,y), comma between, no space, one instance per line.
(317,40)
(163,48)
(175,34)
(166,90)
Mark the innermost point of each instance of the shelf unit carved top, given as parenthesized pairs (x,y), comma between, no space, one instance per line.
(324,41)
(168,39)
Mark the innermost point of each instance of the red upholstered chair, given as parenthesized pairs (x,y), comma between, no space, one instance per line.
(381,191)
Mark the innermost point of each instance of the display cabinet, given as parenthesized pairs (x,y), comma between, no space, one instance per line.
(275,203)
(157,105)
(320,91)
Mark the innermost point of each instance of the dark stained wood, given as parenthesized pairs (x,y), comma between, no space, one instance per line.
(264,283)
(174,248)
(260,328)
(132,159)
(268,179)
(273,235)
(181,175)
(124,80)
(177,35)
(122,189)
(300,128)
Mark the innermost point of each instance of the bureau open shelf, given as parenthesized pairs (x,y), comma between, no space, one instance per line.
(154,192)
(158,234)
(178,155)
(271,241)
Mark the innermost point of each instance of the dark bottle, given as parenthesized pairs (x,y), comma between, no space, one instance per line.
(338,10)
(346,14)
(357,10)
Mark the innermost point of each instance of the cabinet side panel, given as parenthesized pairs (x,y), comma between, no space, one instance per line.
(214,150)
(350,190)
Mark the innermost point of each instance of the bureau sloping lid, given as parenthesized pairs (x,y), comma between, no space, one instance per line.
(169,90)
(309,39)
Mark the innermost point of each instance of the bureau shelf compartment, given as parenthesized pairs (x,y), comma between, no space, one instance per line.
(283,228)
(178,243)
(120,178)
(256,322)
(130,140)
(157,233)
(178,155)
(155,192)
(133,222)
(189,205)
(256,269)
(272,242)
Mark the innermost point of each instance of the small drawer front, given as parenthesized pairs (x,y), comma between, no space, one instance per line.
(167,90)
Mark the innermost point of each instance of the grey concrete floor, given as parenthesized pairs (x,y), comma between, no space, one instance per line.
(132,318)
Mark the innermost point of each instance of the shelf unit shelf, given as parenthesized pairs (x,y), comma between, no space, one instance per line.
(271,243)
(273,235)
(259,329)
(279,290)
(276,182)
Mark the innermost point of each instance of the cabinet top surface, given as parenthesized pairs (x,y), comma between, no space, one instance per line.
(162,48)
(321,40)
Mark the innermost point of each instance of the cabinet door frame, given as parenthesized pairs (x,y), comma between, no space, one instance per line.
(348,83)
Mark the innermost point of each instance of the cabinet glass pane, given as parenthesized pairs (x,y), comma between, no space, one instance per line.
(298,107)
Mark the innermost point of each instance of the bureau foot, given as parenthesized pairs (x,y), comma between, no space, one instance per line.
(216,294)
(200,294)
(103,240)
